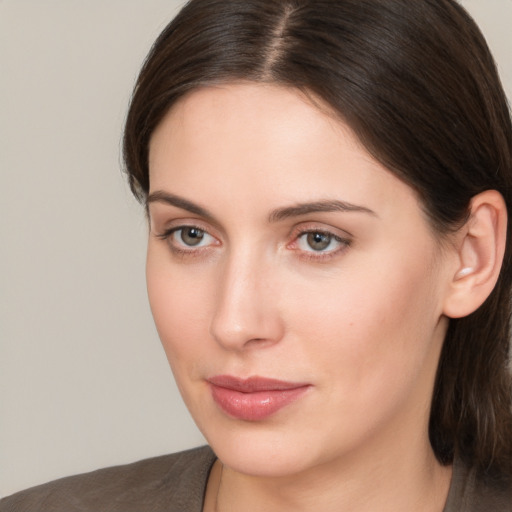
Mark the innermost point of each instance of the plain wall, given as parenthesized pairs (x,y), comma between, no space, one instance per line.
(84,382)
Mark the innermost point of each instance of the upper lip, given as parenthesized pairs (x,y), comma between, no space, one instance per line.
(253,384)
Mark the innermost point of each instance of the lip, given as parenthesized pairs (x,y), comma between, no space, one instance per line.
(255,398)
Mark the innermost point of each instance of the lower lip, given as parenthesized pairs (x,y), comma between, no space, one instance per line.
(257,405)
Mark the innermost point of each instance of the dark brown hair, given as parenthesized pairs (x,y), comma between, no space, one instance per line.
(418,85)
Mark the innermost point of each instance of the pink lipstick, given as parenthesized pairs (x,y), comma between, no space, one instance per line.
(255,398)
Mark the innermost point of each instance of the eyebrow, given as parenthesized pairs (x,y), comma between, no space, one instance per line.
(180,202)
(276,215)
(316,207)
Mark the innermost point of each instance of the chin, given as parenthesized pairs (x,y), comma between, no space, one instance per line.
(263,461)
(262,449)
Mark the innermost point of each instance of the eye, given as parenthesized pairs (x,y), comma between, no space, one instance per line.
(315,240)
(317,243)
(190,236)
(186,239)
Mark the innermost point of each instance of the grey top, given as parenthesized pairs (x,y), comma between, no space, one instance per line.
(469,494)
(170,483)
(177,483)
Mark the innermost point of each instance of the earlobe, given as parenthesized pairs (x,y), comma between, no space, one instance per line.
(480,249)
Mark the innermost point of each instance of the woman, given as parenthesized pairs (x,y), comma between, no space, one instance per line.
(327,186)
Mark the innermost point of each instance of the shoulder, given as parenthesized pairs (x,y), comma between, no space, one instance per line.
(469,493)
(169,482)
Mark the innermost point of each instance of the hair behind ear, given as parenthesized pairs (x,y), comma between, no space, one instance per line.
(471,414)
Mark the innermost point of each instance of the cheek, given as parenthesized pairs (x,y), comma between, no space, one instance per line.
(372,331)
(181,305)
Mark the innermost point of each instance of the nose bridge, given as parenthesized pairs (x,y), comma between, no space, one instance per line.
(244,311)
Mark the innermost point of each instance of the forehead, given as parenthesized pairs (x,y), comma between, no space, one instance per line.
(242,97)
(261,109)
(258,123)
(259,146)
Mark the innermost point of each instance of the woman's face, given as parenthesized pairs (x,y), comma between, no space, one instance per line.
(295,283)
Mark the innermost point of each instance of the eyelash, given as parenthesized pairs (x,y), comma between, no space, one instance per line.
(312,255)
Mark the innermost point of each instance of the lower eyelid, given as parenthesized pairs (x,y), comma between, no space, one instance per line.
(323,256)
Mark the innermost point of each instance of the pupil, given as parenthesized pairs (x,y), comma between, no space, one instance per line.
(192,236)
(319,241)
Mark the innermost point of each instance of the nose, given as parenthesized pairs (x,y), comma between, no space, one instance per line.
(246,313)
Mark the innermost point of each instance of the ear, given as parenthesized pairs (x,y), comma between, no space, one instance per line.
(480,246)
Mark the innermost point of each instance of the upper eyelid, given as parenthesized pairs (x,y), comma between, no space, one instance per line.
(168,226)
(320,227)
(162,213)
(173,229)
(328,233)
(338,238)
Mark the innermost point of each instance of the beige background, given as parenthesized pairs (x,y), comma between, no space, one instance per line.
(83,380)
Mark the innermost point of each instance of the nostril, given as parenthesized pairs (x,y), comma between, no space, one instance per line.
(256,329)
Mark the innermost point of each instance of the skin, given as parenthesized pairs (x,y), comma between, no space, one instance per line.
(361,320)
